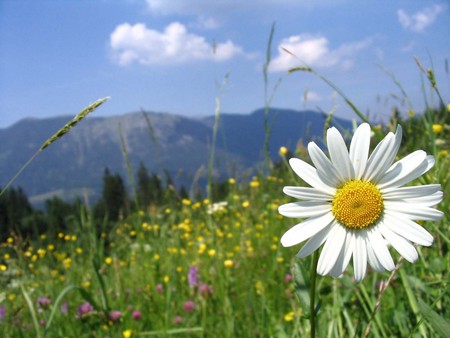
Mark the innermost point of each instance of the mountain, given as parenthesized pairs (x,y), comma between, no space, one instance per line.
(75,163)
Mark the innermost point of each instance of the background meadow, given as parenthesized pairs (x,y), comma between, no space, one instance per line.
(211,265)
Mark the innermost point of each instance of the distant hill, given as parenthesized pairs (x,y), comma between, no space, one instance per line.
(75,163)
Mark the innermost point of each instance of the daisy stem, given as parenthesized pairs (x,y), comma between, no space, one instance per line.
(312,293)
(382,290)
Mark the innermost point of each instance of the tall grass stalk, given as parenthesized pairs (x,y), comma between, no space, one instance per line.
(412,301)
(268,100)
(32,310)
(312,294)
(222,88)
(60,133)
(335,88)
(129,167)
(430,75)
(380,295)
(153,138)
(397,83)
(213,149)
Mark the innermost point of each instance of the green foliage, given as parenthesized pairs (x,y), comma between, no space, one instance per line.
(248,285)
(114,201)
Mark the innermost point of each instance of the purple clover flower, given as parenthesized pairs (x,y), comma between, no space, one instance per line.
(205,289)
(43,302)
(189,306)
(193,276)
(114,316)
(84,309)
(2,313)
(64,308)
(136,315)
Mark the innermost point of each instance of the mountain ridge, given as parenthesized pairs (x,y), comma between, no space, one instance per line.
(179,144)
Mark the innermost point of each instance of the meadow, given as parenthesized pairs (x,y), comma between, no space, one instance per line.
(199,267)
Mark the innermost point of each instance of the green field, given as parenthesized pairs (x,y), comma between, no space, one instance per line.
(195,267)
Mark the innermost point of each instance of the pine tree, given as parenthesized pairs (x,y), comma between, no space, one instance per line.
(114,201)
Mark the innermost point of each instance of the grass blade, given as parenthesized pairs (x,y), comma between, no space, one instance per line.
(439,324)
(61,132)
(56,305)
(32,311)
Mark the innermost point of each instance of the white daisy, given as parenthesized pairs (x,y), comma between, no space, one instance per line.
(356,204)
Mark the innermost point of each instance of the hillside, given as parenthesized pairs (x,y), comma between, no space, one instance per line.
(180,145)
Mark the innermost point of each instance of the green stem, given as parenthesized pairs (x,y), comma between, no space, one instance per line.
(412,301)
(312,293)
(64,130)
(378,303)
(19,172)
(32,311)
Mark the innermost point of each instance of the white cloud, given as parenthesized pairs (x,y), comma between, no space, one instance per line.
(418,21)
(408,48)
(311,96)
(314,51)
(138,43)
(206,23)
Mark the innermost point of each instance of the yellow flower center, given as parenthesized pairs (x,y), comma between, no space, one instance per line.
(357,204)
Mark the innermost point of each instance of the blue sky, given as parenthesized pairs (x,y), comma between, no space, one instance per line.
(57,56)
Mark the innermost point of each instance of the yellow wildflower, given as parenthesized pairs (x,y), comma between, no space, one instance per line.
(437,128)
(288,317)
(254,184)
(283,151)
(228,263)
(67,263)
(127,333)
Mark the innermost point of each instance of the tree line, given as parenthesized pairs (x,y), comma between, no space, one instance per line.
(18,216)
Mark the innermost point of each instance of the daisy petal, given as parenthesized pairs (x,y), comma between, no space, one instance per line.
(405,170)
(315,242)
(431,162)
(411,192)
(359,149)
(426,165)
(383,156)
(306,229)
(333,245)
(380,249)
(304,209)
(306,193)
(344,255)
(404,247)
(413,211)
(324,167)
(375,161)
(408,229)
(309,174)
(360,255)
(428,201)
(372,258)
(339,154)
